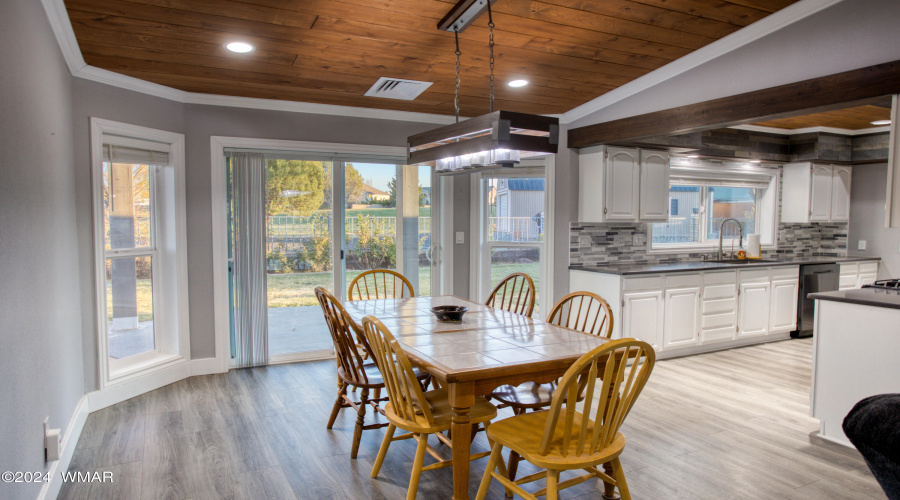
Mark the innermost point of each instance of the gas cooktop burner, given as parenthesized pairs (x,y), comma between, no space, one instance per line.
(885,284)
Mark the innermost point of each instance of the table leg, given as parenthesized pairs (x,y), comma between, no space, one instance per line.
(461,400)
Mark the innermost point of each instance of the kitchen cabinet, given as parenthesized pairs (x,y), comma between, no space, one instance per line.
(687,312)
(643,316)
(856,274)
(682,325)
(654,191)
(783,309)
(623,185)
(718,311)
(815,193)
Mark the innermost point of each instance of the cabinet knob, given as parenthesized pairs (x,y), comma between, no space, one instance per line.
(604,210)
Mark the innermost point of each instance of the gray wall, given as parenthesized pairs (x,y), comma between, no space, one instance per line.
(867,197)
(40,309)
(102,101)
(851,34)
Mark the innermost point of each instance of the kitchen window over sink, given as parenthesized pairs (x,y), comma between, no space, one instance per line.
(703,194)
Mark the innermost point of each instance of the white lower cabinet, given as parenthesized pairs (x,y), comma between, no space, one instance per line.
(683,312)
(642,316)
(682,325)
(754,309)
(783,310)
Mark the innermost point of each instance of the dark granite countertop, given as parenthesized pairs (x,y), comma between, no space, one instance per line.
(865,296)
(695,266)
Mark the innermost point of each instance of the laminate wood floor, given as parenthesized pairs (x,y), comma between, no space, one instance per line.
(728,425)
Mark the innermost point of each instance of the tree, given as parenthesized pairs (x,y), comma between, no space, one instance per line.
(353,187)
(392,194)
(295,187)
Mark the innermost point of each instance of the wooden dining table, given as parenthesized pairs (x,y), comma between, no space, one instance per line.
(487,349)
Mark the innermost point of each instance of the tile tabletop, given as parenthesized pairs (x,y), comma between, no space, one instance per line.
(486,338)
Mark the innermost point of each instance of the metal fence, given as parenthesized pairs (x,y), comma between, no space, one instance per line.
(286,233)
(687,229)
(515,229)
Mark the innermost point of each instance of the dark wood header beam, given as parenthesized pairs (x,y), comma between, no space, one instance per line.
(809,96)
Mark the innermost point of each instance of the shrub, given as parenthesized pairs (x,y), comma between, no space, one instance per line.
(316,248)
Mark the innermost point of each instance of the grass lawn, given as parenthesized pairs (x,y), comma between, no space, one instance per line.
(296,289)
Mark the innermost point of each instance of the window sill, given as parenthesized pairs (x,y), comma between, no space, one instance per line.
(142,364)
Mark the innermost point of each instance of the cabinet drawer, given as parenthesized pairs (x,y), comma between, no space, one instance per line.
(785,273)
(726,291)
(644,283)
(754,276)
(716,335)
(848,282)
(683,280)
(718,306)
(868,267)
(720,277)
(850,268)
(715,321)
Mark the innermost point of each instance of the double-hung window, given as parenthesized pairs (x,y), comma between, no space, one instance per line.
(140,258)
(702,197)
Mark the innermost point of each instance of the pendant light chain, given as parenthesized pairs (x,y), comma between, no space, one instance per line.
(491,45)
(458,53)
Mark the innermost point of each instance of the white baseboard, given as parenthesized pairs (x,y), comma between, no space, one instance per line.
(206,366)
(51,488)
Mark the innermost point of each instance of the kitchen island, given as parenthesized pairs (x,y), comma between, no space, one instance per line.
(856,348)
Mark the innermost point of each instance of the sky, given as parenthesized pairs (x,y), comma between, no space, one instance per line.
(380,174)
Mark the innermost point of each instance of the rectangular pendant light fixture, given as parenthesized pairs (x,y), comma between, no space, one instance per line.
(494,139)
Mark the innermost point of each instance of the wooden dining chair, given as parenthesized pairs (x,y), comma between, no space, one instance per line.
(353,371)
(514,294)
(566,438)
(413,410)
(379,284)
(583,311)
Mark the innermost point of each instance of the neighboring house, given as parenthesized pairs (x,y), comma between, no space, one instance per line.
(520,206)
(371,194)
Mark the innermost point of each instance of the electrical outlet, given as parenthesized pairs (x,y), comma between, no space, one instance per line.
(861,245)
(638,239)
(620,240)
(584,240)
(460,237)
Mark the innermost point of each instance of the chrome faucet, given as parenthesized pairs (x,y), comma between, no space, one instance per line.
(721,232)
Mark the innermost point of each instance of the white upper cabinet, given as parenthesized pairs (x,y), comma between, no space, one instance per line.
(623,184)
(815,193)
(840,194)
(654,204)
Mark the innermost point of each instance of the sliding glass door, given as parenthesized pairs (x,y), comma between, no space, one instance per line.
(326,222)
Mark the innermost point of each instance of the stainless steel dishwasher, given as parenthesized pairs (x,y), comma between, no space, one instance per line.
(813,278)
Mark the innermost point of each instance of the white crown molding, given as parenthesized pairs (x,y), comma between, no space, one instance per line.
(807,130)
(65,37)
(770,24)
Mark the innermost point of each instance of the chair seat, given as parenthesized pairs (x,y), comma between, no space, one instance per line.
(523,434)
(525,395)
(374,376)
(442,413)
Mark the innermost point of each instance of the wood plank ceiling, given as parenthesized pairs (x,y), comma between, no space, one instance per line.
(855,118)
(332,51)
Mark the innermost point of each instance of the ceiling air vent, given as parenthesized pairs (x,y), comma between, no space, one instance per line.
(396,88)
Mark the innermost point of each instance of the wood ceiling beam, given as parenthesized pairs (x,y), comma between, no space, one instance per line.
(809,96)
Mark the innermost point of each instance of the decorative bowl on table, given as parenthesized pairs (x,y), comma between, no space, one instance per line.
(449,314)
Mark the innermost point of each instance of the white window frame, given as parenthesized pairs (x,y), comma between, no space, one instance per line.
(169,253)
(480,275)
(718,176)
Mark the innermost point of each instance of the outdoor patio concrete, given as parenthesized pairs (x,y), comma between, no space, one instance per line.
(291,330)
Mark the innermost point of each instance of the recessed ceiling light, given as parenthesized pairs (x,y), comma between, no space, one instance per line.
(881,122)
(239,47)
(518,83)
